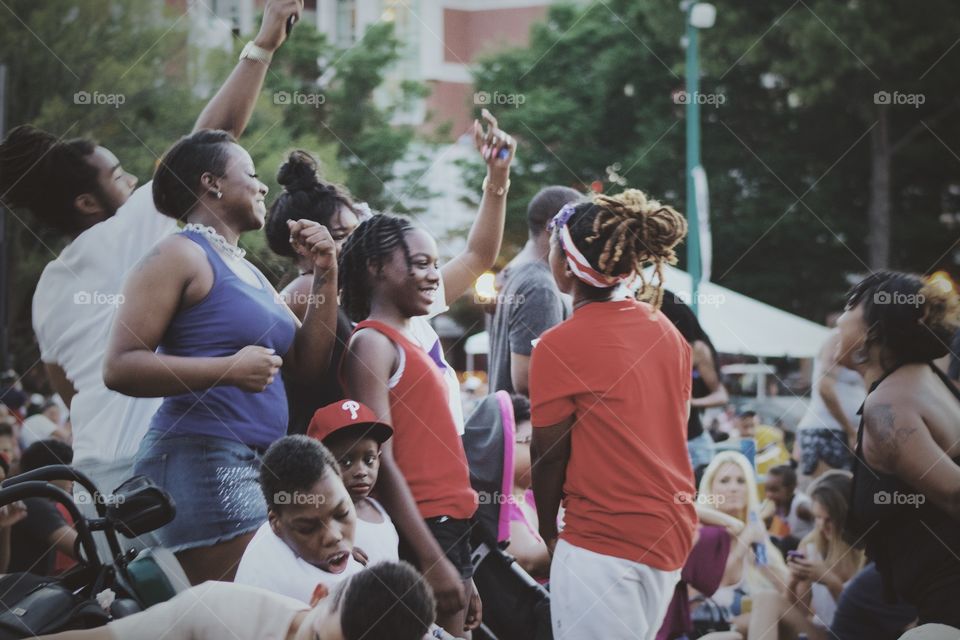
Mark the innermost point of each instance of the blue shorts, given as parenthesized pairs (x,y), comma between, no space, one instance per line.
(214,483)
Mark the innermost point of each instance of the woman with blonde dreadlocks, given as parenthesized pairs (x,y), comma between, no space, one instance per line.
(610,390)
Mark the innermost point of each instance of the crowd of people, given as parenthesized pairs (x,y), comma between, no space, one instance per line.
(311,437)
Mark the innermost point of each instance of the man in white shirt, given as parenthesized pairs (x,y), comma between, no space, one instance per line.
(113,227)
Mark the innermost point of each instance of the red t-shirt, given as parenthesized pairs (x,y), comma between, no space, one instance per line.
(426,445)
(623,371)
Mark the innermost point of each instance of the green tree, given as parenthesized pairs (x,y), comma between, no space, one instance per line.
(785,140)
(330,93)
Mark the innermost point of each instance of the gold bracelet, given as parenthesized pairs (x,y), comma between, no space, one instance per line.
(498,191)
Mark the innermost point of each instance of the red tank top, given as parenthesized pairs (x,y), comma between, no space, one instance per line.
(426,445)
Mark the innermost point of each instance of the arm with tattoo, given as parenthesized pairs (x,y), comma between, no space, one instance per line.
(897,441)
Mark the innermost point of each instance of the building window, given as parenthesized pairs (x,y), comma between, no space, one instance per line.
(346,22)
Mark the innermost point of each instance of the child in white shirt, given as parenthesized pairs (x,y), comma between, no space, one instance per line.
(353,434)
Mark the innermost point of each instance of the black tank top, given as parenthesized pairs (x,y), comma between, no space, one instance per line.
(908,537)
(303,400)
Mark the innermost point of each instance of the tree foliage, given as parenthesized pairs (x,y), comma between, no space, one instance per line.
(786,146)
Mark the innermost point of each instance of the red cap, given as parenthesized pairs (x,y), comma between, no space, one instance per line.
(348,414)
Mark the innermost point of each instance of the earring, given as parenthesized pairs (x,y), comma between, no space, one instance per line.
(219,194)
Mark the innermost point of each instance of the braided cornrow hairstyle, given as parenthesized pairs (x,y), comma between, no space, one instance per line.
(45,175)
(371,243)
(619,234)
(304,195)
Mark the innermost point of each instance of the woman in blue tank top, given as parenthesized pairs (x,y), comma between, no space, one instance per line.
(201,327)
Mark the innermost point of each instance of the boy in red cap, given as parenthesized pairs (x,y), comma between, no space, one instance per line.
(353,433)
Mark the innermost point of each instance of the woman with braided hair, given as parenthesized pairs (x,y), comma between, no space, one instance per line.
(389,281)
(610,391)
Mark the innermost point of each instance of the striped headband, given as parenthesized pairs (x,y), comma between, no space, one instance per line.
(578,263)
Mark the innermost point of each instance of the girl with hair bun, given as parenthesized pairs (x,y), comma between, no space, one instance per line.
(610,390)
(906,495)
(306,195)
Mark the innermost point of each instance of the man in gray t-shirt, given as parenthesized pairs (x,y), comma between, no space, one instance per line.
(528,302)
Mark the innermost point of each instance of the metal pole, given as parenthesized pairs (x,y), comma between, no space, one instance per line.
(693,160)
(6,359)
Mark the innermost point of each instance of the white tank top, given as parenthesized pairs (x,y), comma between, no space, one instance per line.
(850,391)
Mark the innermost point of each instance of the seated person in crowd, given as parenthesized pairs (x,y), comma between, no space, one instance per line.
(754,564)
(786,511)
(308,538)
(353,434)
(36,539)
(770,449)
(10,514)
(10,446)
(526,545)
(363,607)
(43,423)
(819,569)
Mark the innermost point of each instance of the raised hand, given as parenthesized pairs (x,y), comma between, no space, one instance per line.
(273,30)
(253,368)
(310,238)
(496,146)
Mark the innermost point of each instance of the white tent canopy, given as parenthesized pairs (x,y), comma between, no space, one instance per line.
(741,325)
(735,323)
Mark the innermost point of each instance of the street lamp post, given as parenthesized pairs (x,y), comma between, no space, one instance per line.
(700,15)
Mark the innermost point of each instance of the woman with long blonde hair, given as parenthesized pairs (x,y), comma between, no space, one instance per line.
(754,564)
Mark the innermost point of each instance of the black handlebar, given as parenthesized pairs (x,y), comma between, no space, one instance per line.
(61,472)
(38,489)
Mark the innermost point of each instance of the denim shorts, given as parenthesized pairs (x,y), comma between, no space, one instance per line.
(214,483)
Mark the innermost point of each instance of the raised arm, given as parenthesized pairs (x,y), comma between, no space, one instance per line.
(826,385)
(486,234)
(368,365)
(168,277)
(309,357)
(230,109)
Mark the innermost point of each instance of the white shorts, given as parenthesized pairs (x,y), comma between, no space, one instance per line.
(598,596)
